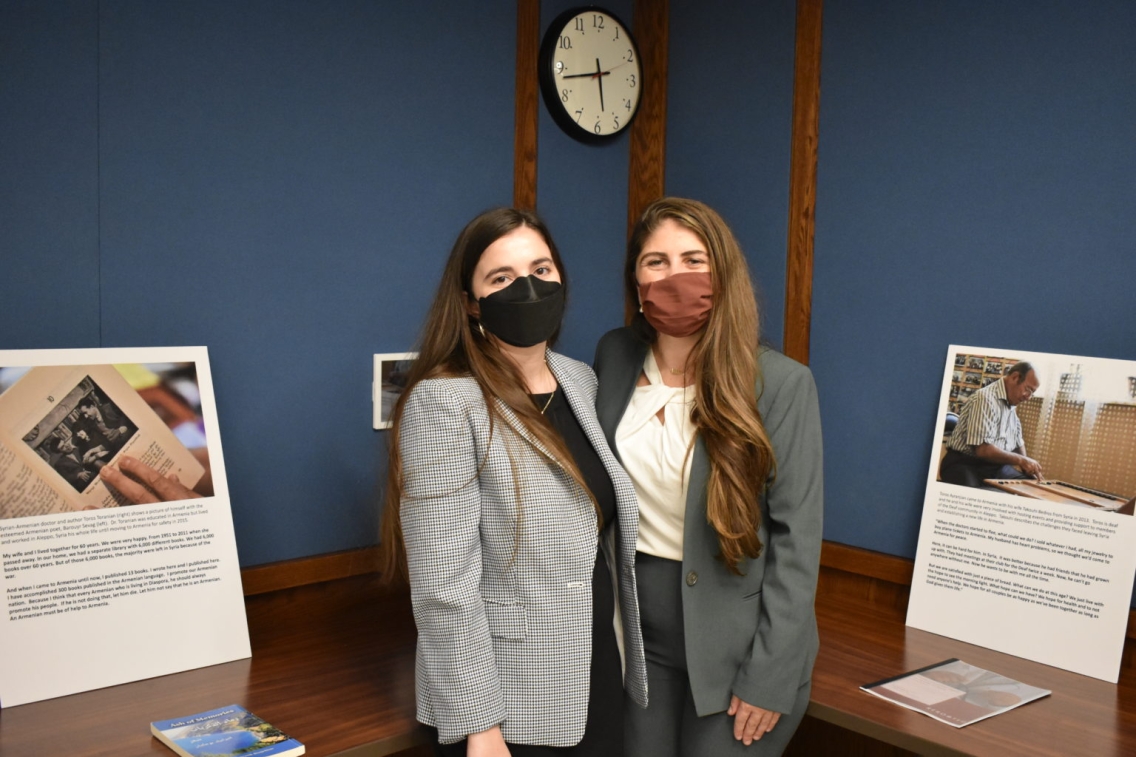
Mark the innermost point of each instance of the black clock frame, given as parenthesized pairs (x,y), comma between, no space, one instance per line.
(548,86)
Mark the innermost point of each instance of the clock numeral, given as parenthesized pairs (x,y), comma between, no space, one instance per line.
(630,58)
(580,24)
(565,43)
(616,119)
(559,66)
(578,114)
(616,34)
(627,104)
(597,22)
(631,80)
(597,128)
(564,95)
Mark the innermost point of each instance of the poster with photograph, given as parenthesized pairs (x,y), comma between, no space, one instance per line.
(114,521)
(1027,543)
(391,372)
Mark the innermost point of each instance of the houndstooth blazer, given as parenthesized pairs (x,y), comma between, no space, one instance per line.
(502,584)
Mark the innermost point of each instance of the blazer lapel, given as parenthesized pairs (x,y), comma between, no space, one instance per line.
(515,423)
(614,397)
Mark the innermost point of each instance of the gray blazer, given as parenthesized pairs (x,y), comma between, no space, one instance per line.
(501,545)
(752,635)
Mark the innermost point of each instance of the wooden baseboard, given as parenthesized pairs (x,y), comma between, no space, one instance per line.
(854,561)
(287,574)
(863,562)
(882,567)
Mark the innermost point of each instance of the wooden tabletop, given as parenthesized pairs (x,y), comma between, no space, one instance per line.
(332,665)
(1083,716)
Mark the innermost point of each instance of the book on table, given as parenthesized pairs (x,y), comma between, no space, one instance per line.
(225,732)
(955,693)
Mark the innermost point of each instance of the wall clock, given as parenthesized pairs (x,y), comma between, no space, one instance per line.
(590,74)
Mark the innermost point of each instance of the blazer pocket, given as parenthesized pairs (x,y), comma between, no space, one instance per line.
(506,621)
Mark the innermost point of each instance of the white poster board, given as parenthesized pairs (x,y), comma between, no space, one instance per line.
(96,590)
(1041,570)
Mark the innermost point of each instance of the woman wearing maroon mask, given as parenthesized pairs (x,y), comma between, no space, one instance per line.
(721,436)
(510,516)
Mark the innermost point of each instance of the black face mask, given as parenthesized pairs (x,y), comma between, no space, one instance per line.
(525,313)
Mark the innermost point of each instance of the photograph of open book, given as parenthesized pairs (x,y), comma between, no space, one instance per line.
(955,693)
(61,426)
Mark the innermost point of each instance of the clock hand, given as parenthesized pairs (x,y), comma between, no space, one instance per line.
(599,78)
(581,76)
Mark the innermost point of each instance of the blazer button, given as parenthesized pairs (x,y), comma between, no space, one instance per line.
(691,578)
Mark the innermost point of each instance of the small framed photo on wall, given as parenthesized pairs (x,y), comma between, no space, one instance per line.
(392,369)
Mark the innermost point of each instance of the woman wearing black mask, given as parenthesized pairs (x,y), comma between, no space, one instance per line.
(721,436)
(509,514)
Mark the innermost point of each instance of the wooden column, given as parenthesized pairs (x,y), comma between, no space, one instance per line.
(649,131)
(802,180)
(647,164)
(526,116)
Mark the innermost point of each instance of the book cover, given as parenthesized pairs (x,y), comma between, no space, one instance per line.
(225,732)
(955,693)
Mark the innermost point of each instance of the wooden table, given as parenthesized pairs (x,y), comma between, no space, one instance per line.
(1083,716)
(332,665)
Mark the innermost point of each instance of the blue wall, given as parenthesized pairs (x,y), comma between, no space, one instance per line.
(977,179)
(582,195)
(49,173)
(729,128)
(280,181)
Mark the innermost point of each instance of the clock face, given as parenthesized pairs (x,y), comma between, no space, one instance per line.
(590,74)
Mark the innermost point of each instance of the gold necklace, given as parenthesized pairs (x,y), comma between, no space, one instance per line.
(672,371)
(546,404)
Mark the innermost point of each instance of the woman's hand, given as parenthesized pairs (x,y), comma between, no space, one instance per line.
(751,723)
(486,744)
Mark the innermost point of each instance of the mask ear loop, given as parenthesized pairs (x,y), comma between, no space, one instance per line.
(482,330)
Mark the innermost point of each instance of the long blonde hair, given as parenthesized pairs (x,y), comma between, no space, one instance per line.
(726,374)
(452,344)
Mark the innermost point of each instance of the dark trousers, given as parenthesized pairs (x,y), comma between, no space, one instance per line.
(670,726)
(968,470)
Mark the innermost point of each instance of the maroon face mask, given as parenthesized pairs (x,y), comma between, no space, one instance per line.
(678,305)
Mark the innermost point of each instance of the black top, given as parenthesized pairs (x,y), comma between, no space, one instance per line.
(603,735)
(560,414)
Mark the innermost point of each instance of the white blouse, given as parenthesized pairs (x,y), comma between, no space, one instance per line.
(656,454)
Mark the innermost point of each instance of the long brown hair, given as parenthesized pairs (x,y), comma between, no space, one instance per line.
(453,344)
(726,373)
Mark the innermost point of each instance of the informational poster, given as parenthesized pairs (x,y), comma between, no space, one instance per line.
(1028,541)
(119,559)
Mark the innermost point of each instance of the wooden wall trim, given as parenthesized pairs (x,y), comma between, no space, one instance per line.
(863,562)
(527,104)
(646,170)
(802,180)
(647,165)
(896,570)
(288,574)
